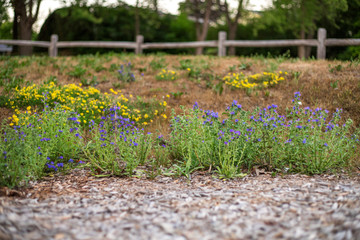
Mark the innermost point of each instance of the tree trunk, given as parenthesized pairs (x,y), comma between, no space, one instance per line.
(308,49)
(301,49)
(25,34)
(15,29)
(232,23)
(232,36)
(201,32)
(156,6)
(137,19)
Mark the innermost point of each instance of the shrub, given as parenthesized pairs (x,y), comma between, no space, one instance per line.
(306,141)
(117,146)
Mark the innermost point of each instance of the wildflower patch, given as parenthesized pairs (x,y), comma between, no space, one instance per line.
(259,80)
(89,103)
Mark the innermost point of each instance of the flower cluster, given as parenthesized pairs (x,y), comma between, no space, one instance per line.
(117,146)
(305,140)
(166,75)
(259,80)
(41,143)
(88,103)
(125,73)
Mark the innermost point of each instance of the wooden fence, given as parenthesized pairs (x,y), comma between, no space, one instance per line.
(321,43)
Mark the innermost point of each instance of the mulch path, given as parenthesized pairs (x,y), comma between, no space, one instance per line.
(80,206)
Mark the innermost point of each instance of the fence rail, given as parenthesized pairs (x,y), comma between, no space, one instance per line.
(180,45)
(270,43)
(43,44)
(321,43)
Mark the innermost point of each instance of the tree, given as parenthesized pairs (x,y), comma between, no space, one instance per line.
(301,17)
(25,15)
(150,4)
(233,22)
(3,13)
(203,12)
(5,24)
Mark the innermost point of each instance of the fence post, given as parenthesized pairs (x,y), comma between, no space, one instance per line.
(321,48)
(53,51)
(221,41)
(139,42)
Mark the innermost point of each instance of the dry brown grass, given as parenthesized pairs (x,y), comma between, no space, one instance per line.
(315,82)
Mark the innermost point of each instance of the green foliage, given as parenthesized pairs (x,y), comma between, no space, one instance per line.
(158,63)
(185,64)
(77,72)
(302,15)
(177,94)
(86,82)
(6,30)
(8,78)
(4,16)
(336,68)
(125,73)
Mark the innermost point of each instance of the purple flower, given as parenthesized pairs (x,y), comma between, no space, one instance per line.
(78,135)
(304,141)
(71,160)
(73,119)
(60,165)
